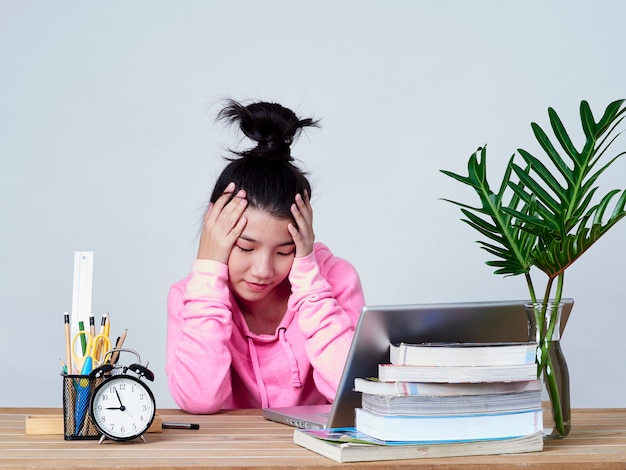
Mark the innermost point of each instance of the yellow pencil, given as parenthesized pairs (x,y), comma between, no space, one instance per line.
(107,326)
(68,342)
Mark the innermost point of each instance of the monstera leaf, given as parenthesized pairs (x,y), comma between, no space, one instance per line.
(543,215)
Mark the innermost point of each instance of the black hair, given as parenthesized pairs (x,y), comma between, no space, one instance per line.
(266,172)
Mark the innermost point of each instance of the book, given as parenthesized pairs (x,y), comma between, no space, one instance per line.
(452,405)
(348,445)
(461,427)
(457,374)
(463,354)
(376,387)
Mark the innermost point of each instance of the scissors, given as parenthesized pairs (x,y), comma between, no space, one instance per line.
(94,353)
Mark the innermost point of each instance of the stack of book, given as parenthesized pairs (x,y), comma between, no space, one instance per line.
(440,399)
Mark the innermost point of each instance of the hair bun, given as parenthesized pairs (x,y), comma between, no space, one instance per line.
(271,125)
(274,144)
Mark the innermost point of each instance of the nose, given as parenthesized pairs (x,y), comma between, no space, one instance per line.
(262,267)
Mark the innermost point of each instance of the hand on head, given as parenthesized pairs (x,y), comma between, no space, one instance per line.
(303,236)
(223,224)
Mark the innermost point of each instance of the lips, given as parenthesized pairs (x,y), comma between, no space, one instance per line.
(253,286)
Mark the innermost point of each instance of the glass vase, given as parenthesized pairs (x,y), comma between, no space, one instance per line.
(544,322)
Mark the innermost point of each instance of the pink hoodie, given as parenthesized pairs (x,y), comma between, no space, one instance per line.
(214,362)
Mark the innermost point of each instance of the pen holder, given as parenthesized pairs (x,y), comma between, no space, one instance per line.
(77,422)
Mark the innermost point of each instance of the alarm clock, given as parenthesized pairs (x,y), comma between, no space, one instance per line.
(122,407)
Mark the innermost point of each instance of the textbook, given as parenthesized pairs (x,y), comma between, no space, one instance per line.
(348,445)
(375,387)
(461,427)
(452,405)
(456,374)
(463,354)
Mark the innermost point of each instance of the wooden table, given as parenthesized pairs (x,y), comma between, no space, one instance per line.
(243,439)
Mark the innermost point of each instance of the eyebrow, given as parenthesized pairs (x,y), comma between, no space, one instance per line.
(252,240)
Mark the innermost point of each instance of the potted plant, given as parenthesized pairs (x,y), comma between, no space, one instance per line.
(545,214)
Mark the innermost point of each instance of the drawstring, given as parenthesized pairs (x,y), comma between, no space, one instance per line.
(293,364)
(257,373)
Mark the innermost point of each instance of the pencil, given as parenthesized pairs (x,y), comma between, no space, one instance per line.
(107,326)
(92,326)
(103,323)
(102,331)
(68,344)
(118,345)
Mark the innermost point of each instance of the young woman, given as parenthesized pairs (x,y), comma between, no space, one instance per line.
(266,316)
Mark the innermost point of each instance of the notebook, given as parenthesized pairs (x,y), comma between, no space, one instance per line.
(378,326)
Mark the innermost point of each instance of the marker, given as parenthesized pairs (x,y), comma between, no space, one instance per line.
(83,340)
(170,425)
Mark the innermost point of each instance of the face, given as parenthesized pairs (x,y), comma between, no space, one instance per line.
(262,256)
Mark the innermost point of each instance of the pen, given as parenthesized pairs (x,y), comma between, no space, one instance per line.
(171,425)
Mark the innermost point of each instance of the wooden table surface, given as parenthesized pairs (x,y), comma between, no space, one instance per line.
(243,439)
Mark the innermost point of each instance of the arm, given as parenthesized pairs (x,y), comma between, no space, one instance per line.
(328,307)
(199,317)
(199,327)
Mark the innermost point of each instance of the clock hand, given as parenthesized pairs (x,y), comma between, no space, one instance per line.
(122,407)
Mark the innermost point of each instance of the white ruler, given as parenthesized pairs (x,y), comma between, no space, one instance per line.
(83,281)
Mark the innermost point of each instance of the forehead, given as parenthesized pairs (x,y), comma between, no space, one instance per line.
(263,227)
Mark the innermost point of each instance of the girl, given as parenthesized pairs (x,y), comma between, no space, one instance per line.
(266,316)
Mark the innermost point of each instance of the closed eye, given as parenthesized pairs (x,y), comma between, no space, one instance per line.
(245,250)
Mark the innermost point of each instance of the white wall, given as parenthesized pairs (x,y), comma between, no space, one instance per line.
(107,143)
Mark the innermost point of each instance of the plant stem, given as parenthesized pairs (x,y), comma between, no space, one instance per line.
(555,398)
(545,343)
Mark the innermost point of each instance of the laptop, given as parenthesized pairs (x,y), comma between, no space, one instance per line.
(378,326)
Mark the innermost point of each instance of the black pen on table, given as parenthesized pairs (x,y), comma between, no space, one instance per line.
(172,425)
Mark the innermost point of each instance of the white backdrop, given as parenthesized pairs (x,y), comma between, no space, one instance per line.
(108,143)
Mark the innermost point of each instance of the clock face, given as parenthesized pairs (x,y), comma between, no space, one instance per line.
(122,407)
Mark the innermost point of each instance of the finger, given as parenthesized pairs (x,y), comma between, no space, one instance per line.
(303,246)
(304,204)
(297,238)
(234,210)
(228,208)
(226,195)
(301,213)
(237,230)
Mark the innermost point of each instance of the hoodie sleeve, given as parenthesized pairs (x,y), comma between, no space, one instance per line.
(199,327)
(327,309)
